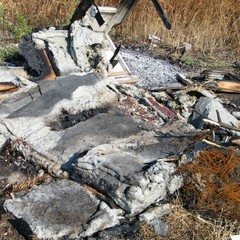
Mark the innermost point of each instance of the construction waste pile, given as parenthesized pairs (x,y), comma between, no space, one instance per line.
(92,154)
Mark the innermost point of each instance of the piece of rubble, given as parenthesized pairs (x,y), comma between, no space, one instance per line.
(154,40)
(155,213)
(12,74)
(3,139)
(236,115)
(153,217)
(220,81)
(58,44)
(62,208)
(229,86)
(76,49)
(129,173)
(104,218)
(10,79)
(123,231)
(160,227)
(184,48)
(208,107)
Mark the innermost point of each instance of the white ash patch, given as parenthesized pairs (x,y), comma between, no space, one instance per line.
(152,73)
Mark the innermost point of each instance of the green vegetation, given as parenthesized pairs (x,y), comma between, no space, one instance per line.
(190,61)
(8,53)
(21,27)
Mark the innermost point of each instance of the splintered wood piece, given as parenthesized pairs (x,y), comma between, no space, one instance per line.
(236,141)
(213,144)
(6,89)
(229,86)
(50,75)
(7,86)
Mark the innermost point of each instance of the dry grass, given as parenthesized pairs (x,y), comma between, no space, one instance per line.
(184,225)
(24,185)
(39,13)
(213,182)
(208,25)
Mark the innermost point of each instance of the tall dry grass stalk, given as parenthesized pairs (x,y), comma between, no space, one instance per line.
(208,25)
(40,13)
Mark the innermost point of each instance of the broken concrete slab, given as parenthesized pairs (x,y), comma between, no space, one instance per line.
(31,113)
(60,148)
(33,108)
(49,96)
(61,208)
(104,218)
(128,173)
(208,107)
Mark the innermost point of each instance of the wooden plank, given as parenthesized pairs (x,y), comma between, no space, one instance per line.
(127,80)
(121,73)
(123,10)
(229,86)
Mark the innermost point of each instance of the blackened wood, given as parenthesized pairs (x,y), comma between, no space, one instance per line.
(81,10)
(162,15)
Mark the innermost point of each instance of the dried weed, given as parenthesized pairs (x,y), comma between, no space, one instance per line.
(27,184)
(184,225)
(207,25)
(213,182)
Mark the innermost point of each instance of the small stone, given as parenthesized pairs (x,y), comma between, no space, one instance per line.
(160,227)
(155,213)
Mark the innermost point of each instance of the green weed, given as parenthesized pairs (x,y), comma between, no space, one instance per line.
(21,27)
(8,53)
(190,61)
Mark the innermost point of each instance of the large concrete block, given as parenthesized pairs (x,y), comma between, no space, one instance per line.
(62,208)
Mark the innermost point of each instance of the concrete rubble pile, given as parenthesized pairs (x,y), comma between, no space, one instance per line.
(77,50)
(110,150)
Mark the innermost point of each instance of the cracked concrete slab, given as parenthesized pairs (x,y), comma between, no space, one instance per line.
(62,208)
(130,172)
(29,118)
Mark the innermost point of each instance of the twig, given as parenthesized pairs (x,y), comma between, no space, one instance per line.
(168,88)
(213,144)
(170,159)
(219,123)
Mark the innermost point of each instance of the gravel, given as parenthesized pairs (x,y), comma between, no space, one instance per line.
(152,72)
